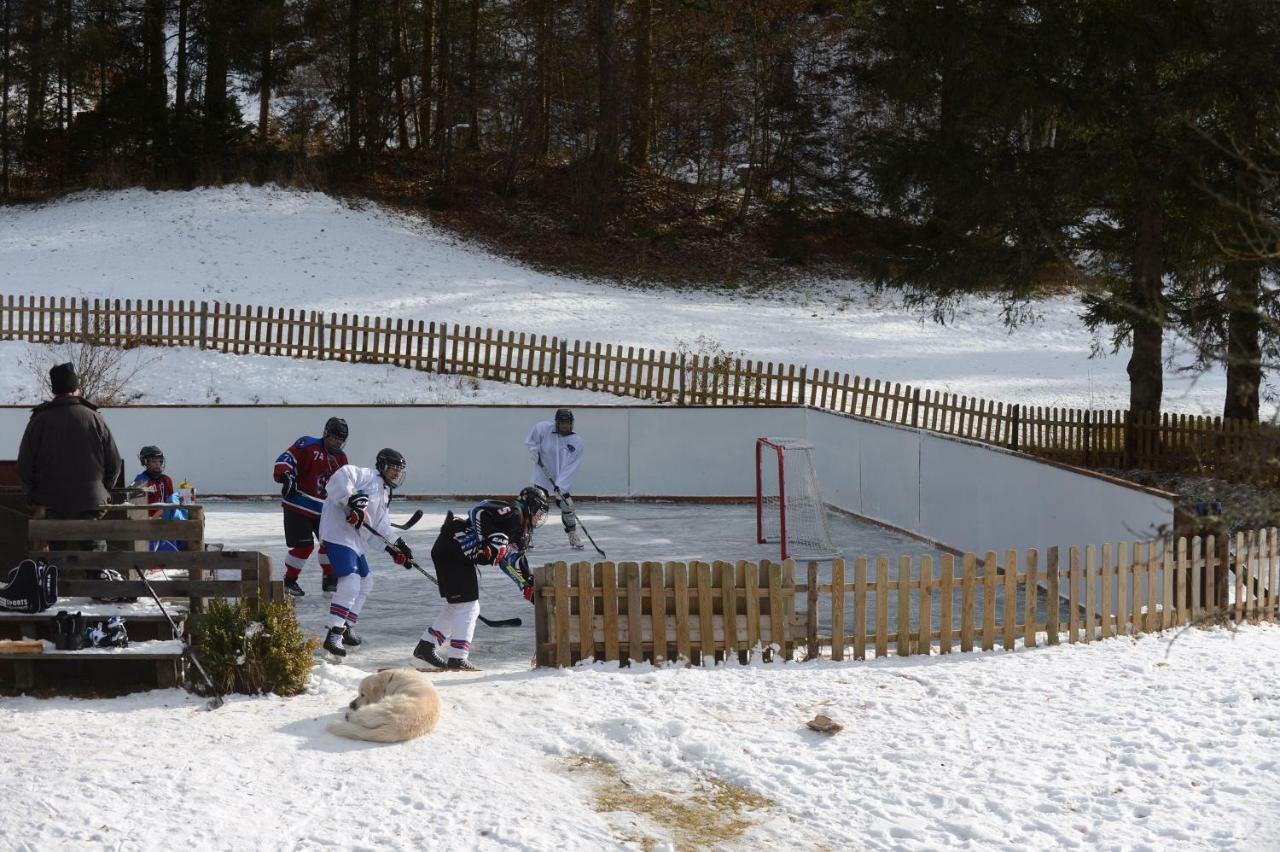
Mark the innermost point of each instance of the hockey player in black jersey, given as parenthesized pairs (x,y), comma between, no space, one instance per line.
(495,532)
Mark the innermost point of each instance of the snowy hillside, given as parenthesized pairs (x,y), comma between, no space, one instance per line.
(271,246)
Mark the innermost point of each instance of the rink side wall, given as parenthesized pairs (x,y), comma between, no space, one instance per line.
(957,493)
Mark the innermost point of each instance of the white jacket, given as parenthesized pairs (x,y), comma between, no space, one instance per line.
(348,480)
(561,454)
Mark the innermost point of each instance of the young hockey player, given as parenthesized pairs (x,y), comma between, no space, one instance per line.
(303,471)
(357,498)
(152,480)
(556,451)
(493,533)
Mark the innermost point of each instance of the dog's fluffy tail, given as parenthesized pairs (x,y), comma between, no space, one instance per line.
(343,728)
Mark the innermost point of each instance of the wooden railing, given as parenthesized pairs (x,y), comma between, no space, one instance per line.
(700,612)
(1230,449)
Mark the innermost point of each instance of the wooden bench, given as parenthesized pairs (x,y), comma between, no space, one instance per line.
(184,580)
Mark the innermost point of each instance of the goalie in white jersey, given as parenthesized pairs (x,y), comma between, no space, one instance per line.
(356,498)
(556,451)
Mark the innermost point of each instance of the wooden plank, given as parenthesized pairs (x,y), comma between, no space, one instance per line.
(706,612)
(989,576)
(1197,578)
(903,642)
(125,561)
(116,530)
(541,617)
(1106,584)
(1166,593)
(1053,596)
(924,645)
(728,607)
(777,632)
(1273,563)
(1153,588)
(1031,597)
(837,610)
(969,592)
(946,603)
(1074,590)
(1090,592)
(560,593)
(658,610)
(751,584)
(1180,582)
(1141,567)
(584,574)
(1122,588)
(635,610)
(680,594)
(882,607)
(609,588)
(860,608)
(788,607)
(811,615)
(1010,633)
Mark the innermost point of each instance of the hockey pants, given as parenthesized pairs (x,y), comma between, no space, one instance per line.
(453,628)
(355,581)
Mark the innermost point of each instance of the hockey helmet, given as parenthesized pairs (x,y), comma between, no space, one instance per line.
(391,465)
(337,427)
(150,452)
(534,502)
(564,415)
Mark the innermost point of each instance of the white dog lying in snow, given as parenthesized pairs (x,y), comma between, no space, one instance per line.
(394,705)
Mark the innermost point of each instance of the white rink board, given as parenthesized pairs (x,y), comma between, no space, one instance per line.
(960,494)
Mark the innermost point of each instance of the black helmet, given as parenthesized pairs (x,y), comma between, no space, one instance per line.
(337,427)
(388,458)
(150,452)
(534,502)
(564,415)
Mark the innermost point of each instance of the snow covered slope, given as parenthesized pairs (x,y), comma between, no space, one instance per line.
(272,246)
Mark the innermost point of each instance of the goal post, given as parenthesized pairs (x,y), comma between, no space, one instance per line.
(789,505)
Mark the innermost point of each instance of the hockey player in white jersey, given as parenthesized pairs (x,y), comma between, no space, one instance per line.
(556,451)
(357,498)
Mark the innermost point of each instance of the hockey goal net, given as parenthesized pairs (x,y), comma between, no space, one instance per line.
(789,505)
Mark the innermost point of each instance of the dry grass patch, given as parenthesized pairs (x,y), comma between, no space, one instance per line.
(715,813)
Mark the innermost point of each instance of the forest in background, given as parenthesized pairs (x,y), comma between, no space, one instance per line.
(1127,150)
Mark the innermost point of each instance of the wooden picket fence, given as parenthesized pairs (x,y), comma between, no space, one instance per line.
(718,611)
(1230,449)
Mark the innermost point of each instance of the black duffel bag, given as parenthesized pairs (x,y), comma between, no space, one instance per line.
(32,587)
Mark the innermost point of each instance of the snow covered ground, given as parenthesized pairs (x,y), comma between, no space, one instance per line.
(270,246)
(1164,742)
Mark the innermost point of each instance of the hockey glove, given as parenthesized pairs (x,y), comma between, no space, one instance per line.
(566,500)
(495,549)
(400,553)
(526,587)
(288,486)
(357,510)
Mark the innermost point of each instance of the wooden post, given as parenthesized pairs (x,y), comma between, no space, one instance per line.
(635,639)
(1054,597)
(564,364)
(837,610)
(1015,428)
(204,325)
(680,400)
(811,617)
(915,408)
(541,629)
(560,582)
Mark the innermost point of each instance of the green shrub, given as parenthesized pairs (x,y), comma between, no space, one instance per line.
(253,654)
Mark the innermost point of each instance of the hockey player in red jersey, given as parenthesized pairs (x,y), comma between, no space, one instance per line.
(152,480)
(303,470)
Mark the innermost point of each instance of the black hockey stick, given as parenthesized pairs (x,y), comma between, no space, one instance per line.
(413,519)
(413,563)
(217,700)
(561,495)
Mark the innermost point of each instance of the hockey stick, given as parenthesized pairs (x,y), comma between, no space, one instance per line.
(217,700)
(413,563)
(413,519)
(559,494)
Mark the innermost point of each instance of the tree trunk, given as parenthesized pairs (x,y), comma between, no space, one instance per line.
(1147,304)
(428,60)
(180,84)
(642,97)
(36,82)
(4,98)
(266,81)
(597,189)
(215,83)
(353,82)
(540,121)
(473,72)
(444,116)
(1244,352)
(398,63)
(157,80)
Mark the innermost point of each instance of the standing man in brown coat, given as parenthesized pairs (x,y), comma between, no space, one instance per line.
(68,460)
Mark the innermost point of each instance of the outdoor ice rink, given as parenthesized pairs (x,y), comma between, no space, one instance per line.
(403,602)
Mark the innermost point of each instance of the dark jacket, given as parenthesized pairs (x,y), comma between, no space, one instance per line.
(68,459)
